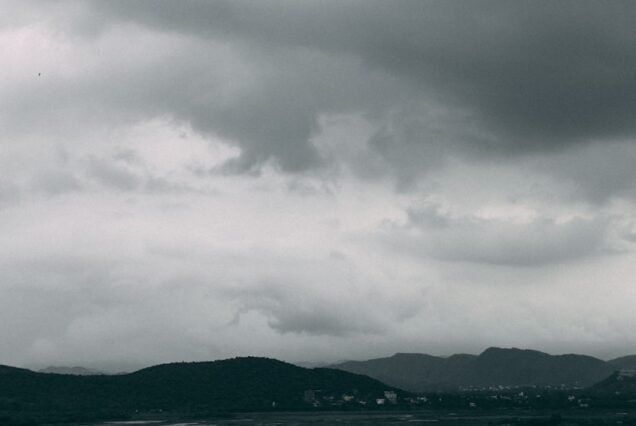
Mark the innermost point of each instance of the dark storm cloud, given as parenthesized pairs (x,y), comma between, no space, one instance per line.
(434,78)
(266,100)
(541,75)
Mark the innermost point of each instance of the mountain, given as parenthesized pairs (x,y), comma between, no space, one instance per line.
(414,372)
(198,388)
(76,371)
(519,367)
(625,362)
(493,367)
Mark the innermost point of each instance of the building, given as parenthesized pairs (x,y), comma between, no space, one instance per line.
(391,396)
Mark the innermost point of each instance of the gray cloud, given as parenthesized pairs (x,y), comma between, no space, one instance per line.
(541,74)
(196,180)
(291,310)
(9,194)
(596,172)
(56,182)
(430,232)
(437,79)
(113,175)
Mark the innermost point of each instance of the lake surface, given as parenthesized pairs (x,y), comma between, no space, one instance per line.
(436,418)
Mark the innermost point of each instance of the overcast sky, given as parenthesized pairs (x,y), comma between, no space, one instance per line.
(315,180)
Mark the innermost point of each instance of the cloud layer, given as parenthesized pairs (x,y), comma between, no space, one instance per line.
(314,181)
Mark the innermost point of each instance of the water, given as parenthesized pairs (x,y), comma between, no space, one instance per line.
(425,418)
(301,419)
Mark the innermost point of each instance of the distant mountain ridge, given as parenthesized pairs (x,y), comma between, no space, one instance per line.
(75,371)
(493,367)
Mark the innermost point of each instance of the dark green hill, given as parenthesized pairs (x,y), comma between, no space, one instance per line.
(240,384)
(493,367)
(5,369)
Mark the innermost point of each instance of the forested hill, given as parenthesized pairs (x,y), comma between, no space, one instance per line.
(239,384)
(244,384)
(5,369)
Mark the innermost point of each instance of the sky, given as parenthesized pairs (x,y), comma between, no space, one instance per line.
(315,180)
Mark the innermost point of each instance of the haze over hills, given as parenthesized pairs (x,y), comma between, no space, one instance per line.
(493,367)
